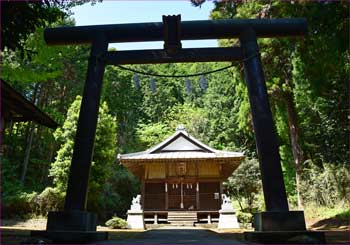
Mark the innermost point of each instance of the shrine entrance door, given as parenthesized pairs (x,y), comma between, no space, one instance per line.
(182,196)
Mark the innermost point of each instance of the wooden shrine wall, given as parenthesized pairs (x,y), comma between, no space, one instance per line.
(154,196)
(157,198)
(209,195)
(200,169)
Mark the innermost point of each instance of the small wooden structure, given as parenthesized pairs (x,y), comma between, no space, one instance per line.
(183,175)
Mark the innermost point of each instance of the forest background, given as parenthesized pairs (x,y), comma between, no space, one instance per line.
(308,85)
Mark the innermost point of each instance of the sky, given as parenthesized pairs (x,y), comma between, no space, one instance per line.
(136,11)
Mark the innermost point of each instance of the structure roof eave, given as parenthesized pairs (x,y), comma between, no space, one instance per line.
(181,155)
(15,107)
(202,152)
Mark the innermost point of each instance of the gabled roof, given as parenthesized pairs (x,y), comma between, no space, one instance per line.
(15,107)
(180,145)
(180,141)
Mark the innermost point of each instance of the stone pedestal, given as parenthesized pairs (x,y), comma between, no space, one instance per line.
(284,228)
(71,227)
(135,214)
(279,221)
(135,219)
(228,219)
(71,220)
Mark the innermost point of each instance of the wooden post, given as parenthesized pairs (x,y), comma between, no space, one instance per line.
(143,193)
(166,196)
(74,217)
(76,196)
(209,218)
(155,219)
(182,195)
(197,196)
(221,188)
(265,135)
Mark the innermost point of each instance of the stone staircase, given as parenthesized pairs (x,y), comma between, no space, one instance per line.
(182,218)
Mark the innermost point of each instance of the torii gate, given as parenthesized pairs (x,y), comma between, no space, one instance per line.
(277,217)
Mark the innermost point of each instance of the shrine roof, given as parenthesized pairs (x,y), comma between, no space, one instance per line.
(181,145)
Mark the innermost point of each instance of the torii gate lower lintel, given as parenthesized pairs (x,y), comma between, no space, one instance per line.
(277,216)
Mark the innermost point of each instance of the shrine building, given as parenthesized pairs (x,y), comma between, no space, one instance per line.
(181,178)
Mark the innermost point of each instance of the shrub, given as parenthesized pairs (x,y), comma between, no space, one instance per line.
(19,204)
(244,185)
(117,223)
(50,199)
(22,204)
(326,185)
(244,218)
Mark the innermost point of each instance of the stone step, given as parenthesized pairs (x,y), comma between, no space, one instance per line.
(177,217)
(182,214)
(182,223)
(182,218)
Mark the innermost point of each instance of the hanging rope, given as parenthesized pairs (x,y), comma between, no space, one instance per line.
(176,76)
(187,75)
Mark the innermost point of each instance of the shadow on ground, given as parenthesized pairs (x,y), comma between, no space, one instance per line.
(177,236)
(339,221)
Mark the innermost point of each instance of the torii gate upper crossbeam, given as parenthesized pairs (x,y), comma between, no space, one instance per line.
(190,30)
(158,56)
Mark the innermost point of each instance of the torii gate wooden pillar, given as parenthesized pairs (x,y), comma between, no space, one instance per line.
(277,216)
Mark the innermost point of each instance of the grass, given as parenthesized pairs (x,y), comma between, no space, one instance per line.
(313,212)
(345,215)
(325,218)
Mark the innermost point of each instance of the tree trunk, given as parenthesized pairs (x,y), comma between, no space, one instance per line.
(45,175)
(29,143)
(27,153)
(295,142)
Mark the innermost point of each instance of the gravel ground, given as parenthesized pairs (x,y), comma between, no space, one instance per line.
(33,224)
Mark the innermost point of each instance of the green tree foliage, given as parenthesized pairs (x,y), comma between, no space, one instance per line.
(51,78)
(151,134)
(121,187)
(124,101)
(328,185)
(65,136)
(191,117)
(245,185)
(168,92)
(227,111)
(104,155)
(21,18)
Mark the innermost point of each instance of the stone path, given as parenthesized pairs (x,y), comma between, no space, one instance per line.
(172,235)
